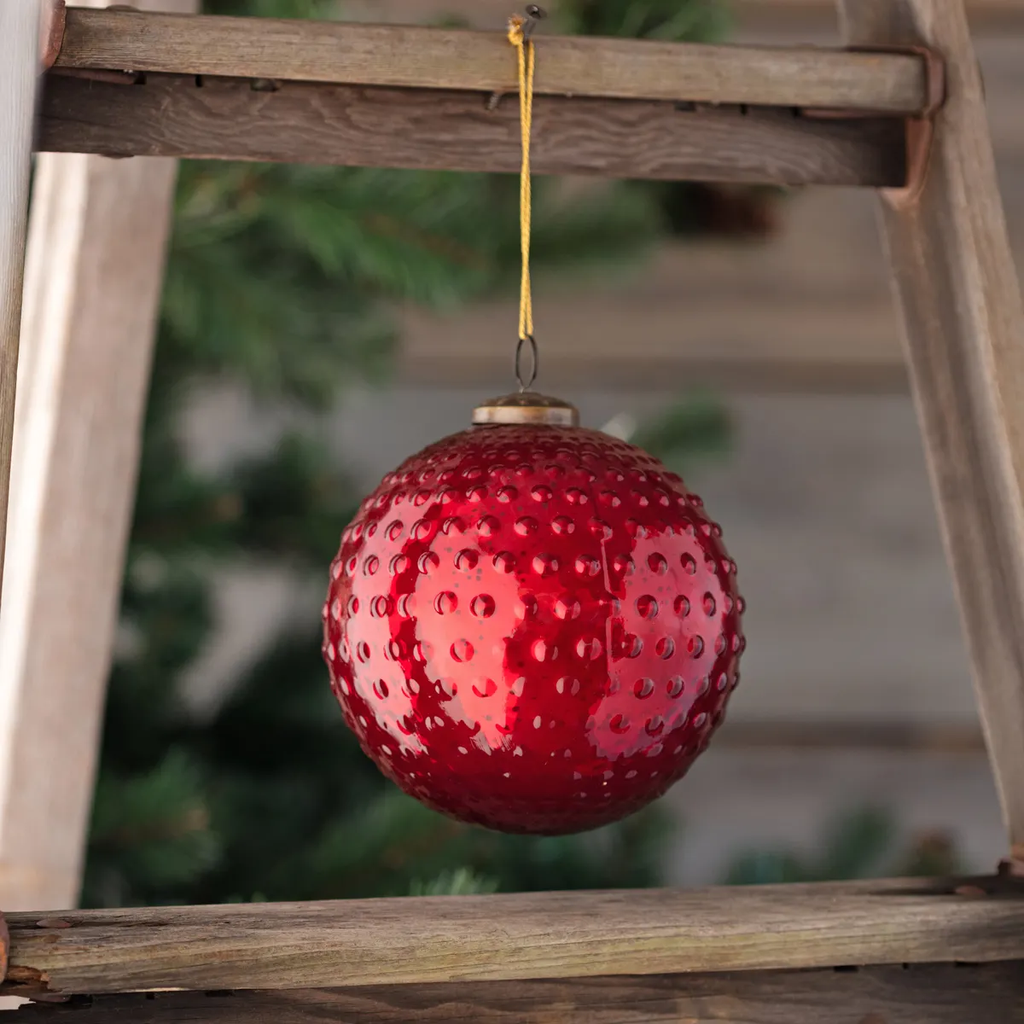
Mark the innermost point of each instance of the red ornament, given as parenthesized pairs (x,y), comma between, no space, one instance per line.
(533,627)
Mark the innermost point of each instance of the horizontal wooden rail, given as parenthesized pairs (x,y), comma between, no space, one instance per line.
(178,115)
(428,58)
(938,994)
(509,937)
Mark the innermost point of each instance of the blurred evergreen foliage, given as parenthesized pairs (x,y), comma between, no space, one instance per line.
(864,843)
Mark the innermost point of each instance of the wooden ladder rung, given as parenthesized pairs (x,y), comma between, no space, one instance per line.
(400,96)
(431,58)
(420,940)
(372,126)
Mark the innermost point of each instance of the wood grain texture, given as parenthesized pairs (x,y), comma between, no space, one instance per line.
(97,235)
(508,937)
(431,58)
(964,338)
(19,55)
(929,994)
(376,127)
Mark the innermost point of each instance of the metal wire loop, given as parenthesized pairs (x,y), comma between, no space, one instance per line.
(526,340)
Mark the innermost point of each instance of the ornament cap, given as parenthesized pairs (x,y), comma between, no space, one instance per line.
(526,407)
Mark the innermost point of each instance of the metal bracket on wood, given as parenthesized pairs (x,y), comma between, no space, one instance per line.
(920,127)
(53,33)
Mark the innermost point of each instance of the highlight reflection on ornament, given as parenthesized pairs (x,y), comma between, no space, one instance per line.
(532,626)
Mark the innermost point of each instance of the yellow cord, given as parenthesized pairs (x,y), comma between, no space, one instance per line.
(525,52)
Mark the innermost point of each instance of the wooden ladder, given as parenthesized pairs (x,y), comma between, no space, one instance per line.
(900,109)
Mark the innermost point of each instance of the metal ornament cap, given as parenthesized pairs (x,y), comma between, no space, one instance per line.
(526,407)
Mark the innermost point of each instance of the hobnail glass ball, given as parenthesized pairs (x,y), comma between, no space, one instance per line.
(533,628)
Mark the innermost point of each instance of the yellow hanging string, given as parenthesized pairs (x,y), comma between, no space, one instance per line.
(524,48)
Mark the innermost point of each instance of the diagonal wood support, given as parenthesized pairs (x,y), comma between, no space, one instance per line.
(958,293)
(20,22)
(93,278)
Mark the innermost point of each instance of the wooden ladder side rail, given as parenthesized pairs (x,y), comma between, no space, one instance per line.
(20,30)
(20,24)
(963,320)
(96,238)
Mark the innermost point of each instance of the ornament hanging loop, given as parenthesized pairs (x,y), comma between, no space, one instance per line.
(527,341)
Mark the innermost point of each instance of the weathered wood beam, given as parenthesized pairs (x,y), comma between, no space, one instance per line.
(964,338)
(94,275)
(431,58)
(20,23)
(508,937)
(175,115)
(927,994)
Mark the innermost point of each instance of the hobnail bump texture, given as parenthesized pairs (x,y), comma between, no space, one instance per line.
(533,628)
